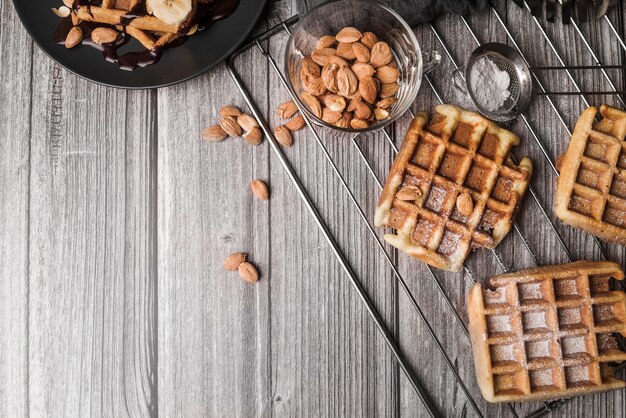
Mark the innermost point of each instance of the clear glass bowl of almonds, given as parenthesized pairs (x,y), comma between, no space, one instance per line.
(355,65)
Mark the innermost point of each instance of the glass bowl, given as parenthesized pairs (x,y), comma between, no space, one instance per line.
(367,16)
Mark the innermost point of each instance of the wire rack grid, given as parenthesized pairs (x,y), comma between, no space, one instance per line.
(389,256)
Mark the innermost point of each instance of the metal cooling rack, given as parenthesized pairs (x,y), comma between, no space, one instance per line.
(284,27)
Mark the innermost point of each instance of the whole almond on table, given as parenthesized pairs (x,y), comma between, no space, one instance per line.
(295,124)
(283,136)
(247,122)
(104,35)
(214,133)
(74,37)
(230,111)
(248,272)
(230,125)
(345,51)
(369,39)
(380,54)
(260,189)
(287,109)
(348,35)
(326,41)
(254,136)
(233,261)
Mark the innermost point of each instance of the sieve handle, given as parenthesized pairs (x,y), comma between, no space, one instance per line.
(430,59)
(458,79)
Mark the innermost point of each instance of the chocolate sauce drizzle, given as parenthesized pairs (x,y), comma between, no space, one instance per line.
(205,16)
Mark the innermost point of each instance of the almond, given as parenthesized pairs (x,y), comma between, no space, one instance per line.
(361,109)
(409,194)
(380,54)
(62,11)
(326,41)
(247,122)
(348,35)
(361,52)
(338,61)
(330,116)
(230,111)
(233,261)
(283,136)
(329,76)
(380,114)
(309,69)
(347,82)
(388,90)
(104,35)
(295,124)
(465,203)
(358,123)
(248,272)
(214,133)
(254,136)
(230,125)
(335,102)
(387,74)
(361,70)
(315,86)
(386,103)
(74,37)
(260,190)
(322,56)
(344,121)
(345,51)
(312,103)
(287,109)
(369,39)
(368,87)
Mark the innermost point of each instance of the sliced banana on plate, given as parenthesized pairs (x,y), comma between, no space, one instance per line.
(172,12)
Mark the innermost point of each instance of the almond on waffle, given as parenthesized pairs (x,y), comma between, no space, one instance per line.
(591,190)
(452,187)
(547,332)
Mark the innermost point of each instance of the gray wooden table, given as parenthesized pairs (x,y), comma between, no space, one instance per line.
(115,219)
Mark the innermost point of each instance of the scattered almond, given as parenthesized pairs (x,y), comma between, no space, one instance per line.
(214,133)
(74,37)
(348,35)
(326,41)
(380,54)
(345,51)
(260,190)
(387,74)
(233,261)
(230,111)
(283,136)
(322,56)
(335,102)
(358,123)
(409,193)
(361,52)
(230,125)
(287,109)
(361,69)
(368,87)
(104,35)
(254,136)
(312,103)
(247,122)
(369,39)
(295,124)
(465,203)
(347,82)
(248,272)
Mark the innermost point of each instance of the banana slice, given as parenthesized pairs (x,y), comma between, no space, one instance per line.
(172,12)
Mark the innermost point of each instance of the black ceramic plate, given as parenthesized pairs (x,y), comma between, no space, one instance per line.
(201,51)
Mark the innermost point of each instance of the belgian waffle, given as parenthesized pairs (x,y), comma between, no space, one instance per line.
(547,332)
(591,190)
(465,187)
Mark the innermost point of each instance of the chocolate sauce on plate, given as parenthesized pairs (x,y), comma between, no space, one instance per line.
(205,16)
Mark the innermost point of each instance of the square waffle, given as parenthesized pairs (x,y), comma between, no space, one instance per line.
(591,190)
(452,187)
(547,333)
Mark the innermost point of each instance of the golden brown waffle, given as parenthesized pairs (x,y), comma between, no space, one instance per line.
(547,332)
(591,190)
(459,155)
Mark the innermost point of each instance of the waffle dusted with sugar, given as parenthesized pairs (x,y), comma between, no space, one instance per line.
(547,333)
(452,187)
(591,190)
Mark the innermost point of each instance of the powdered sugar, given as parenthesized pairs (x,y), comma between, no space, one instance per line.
(489,84)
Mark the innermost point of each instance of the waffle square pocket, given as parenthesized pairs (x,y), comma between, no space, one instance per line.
(548,332)
(591,190)
(452,187)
